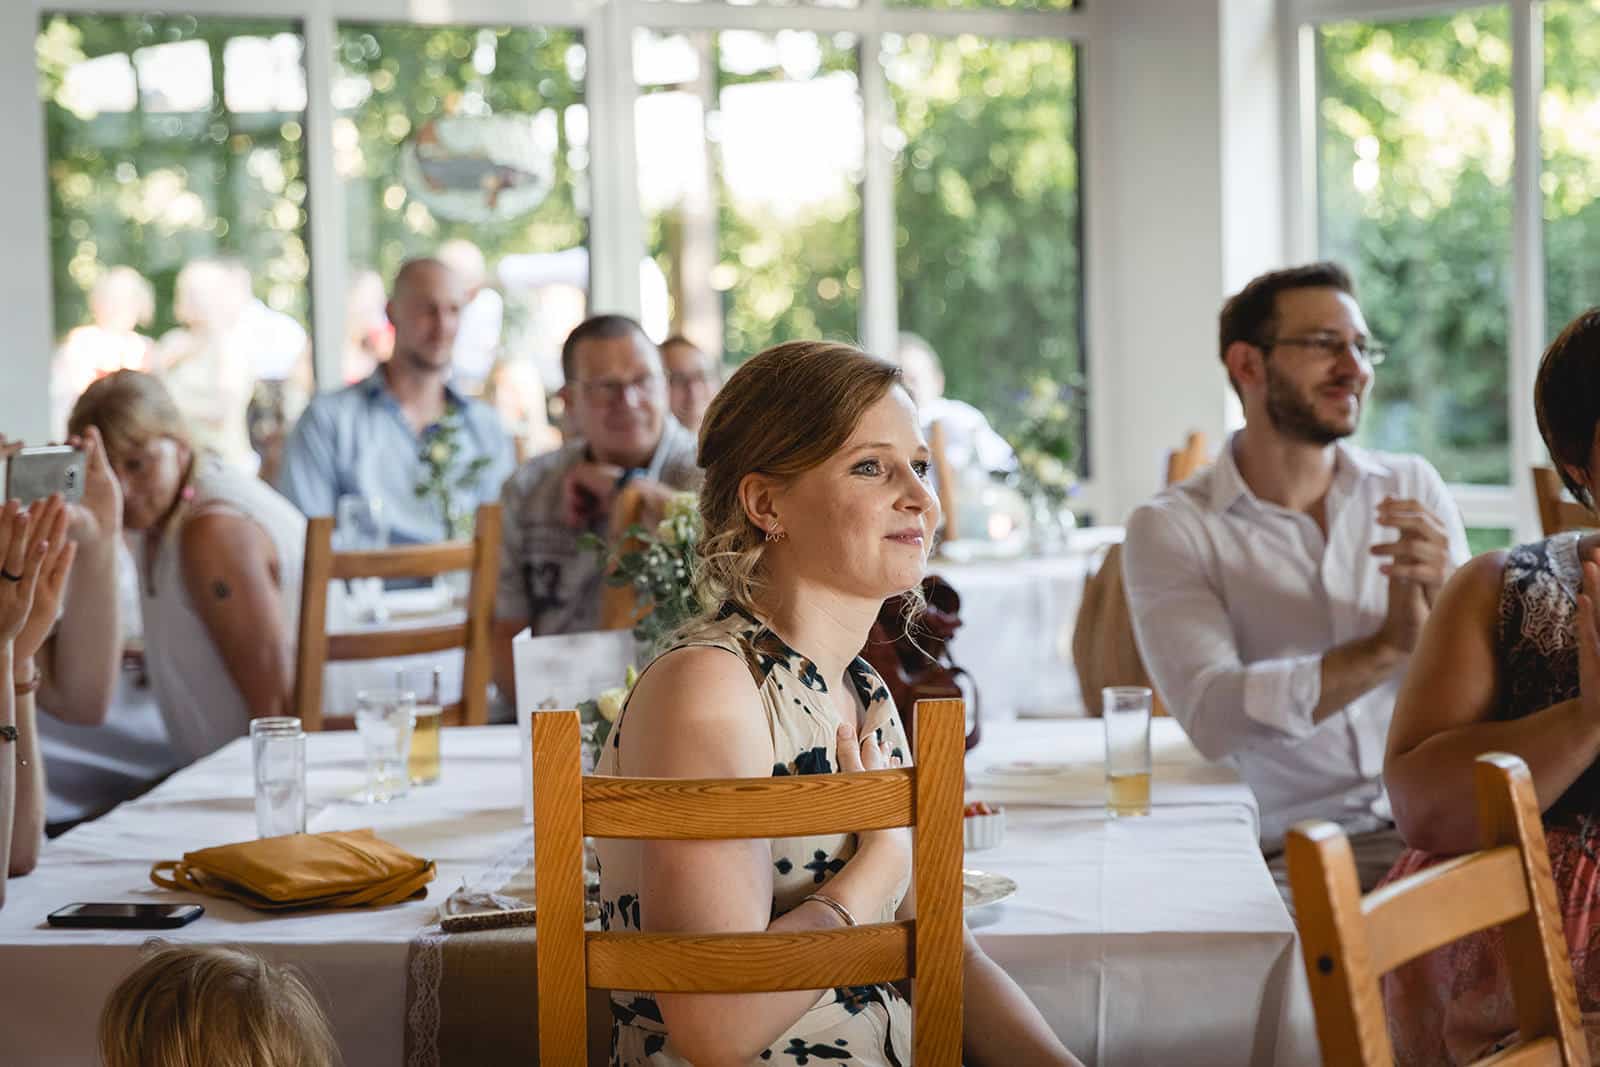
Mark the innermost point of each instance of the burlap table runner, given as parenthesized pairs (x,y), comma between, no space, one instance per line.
(472,999)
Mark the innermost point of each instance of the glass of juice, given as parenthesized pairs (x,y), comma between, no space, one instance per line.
(1126,714)
(425,682)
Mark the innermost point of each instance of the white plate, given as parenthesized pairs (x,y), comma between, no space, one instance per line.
(1027,768)
(979,888)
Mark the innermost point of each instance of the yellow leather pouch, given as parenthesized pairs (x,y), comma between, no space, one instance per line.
(340,869)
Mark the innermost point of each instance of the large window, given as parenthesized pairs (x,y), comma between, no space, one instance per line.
(750,158)
(986,211)
(177,196)
(473,142)
(1569,110)
(1415,173)
(798,169)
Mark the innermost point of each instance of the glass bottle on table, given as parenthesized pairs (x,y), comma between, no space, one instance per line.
(427,683)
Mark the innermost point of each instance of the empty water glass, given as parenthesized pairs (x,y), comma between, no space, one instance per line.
(278,748)
(360,525)
(385,718)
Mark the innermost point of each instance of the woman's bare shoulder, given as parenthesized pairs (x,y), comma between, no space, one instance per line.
(696,711)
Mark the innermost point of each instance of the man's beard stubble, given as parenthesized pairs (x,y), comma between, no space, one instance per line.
(1294,416)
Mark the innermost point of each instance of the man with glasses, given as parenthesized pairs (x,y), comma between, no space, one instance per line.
(693,378)
(616,401)
(367,439)
(1278,593)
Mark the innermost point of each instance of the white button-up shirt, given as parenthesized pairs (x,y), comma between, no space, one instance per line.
(1236,600)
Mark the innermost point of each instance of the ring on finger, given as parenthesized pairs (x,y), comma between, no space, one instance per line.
(8,576)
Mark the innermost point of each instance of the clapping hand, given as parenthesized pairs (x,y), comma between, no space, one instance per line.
(20,563)
(49,523)
(98,516)
(1421,554)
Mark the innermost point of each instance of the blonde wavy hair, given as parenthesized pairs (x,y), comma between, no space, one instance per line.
(130,408)
(782,413)
(213,1006)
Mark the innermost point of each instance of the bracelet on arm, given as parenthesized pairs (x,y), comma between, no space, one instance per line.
(838,908)
(8,733)
(22,689)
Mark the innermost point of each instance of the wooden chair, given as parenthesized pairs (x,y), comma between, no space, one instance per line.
(568,805)
(1350,940)
(1183,462)
(317,647)
(619,605)
(1557,514)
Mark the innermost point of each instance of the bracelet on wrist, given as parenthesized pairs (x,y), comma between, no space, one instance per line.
(837,908)
(22,689)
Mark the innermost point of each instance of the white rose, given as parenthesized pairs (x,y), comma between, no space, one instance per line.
(667,532)
(439,453)
(610,703)
(682,505)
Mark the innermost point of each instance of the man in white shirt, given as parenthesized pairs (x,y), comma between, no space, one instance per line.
(1277,594)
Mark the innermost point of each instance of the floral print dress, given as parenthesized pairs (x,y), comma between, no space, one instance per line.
(863,1025)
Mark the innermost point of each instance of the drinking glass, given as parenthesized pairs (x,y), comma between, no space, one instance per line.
(426,683)
(1125,710)
(385,719)
(360,525)
(278,750)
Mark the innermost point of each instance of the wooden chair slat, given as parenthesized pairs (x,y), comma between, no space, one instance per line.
(315,647)
(1348,943)
(1183,462)
(929,949)
(760,962)
(937,846)
(1442,904)
(1557,514)
(408,561)
(412,641)
(1545,1052)
(689,809)
(558,882)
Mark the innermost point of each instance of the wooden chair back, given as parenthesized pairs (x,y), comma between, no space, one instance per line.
(619,604)
(568,805)
(1349,941)
(945,476)
(1183,462)
(317,647)
(1557,514)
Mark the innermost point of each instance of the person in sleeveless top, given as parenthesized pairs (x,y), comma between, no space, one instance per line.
(219,555)
(1509,661)
(816,508)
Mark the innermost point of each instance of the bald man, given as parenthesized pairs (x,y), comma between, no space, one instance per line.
(366,439)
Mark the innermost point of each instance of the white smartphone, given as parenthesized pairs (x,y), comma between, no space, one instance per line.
(35,473)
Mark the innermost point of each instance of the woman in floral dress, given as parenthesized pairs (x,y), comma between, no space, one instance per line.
(816,509)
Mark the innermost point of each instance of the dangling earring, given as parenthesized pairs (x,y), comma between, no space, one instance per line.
(776,534)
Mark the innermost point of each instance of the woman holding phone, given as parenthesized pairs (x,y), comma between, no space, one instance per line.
(219,556)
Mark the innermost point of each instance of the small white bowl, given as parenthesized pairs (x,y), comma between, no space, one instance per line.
(983,831)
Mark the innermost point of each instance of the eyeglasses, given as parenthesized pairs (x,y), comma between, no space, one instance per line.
(1368,351)
(610,391)
(685,379)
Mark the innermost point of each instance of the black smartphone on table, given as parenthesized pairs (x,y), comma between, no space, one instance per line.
(126,916)
(35,473)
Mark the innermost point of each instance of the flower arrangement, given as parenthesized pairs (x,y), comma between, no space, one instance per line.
(659,565)
(600,714)
(439,453)
(1046,442)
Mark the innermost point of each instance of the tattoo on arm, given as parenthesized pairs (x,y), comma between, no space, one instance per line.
(220,590)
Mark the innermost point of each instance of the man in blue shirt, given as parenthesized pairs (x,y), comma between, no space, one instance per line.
(367,439)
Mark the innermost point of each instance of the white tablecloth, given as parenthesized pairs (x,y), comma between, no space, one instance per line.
(1017,618)
(1156,940)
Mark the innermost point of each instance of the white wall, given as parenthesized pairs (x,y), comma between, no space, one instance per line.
(25,329)
(1184,206)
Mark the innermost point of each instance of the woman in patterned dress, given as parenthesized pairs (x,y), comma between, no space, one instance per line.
(1510,662)
(816,508)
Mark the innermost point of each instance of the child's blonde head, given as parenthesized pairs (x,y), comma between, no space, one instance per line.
(210,1006)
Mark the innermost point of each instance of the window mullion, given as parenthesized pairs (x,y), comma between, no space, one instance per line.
(1528,326)
(326,222)
(879,304)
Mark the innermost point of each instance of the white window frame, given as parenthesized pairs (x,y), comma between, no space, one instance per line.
(1510,506)
(616,236)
